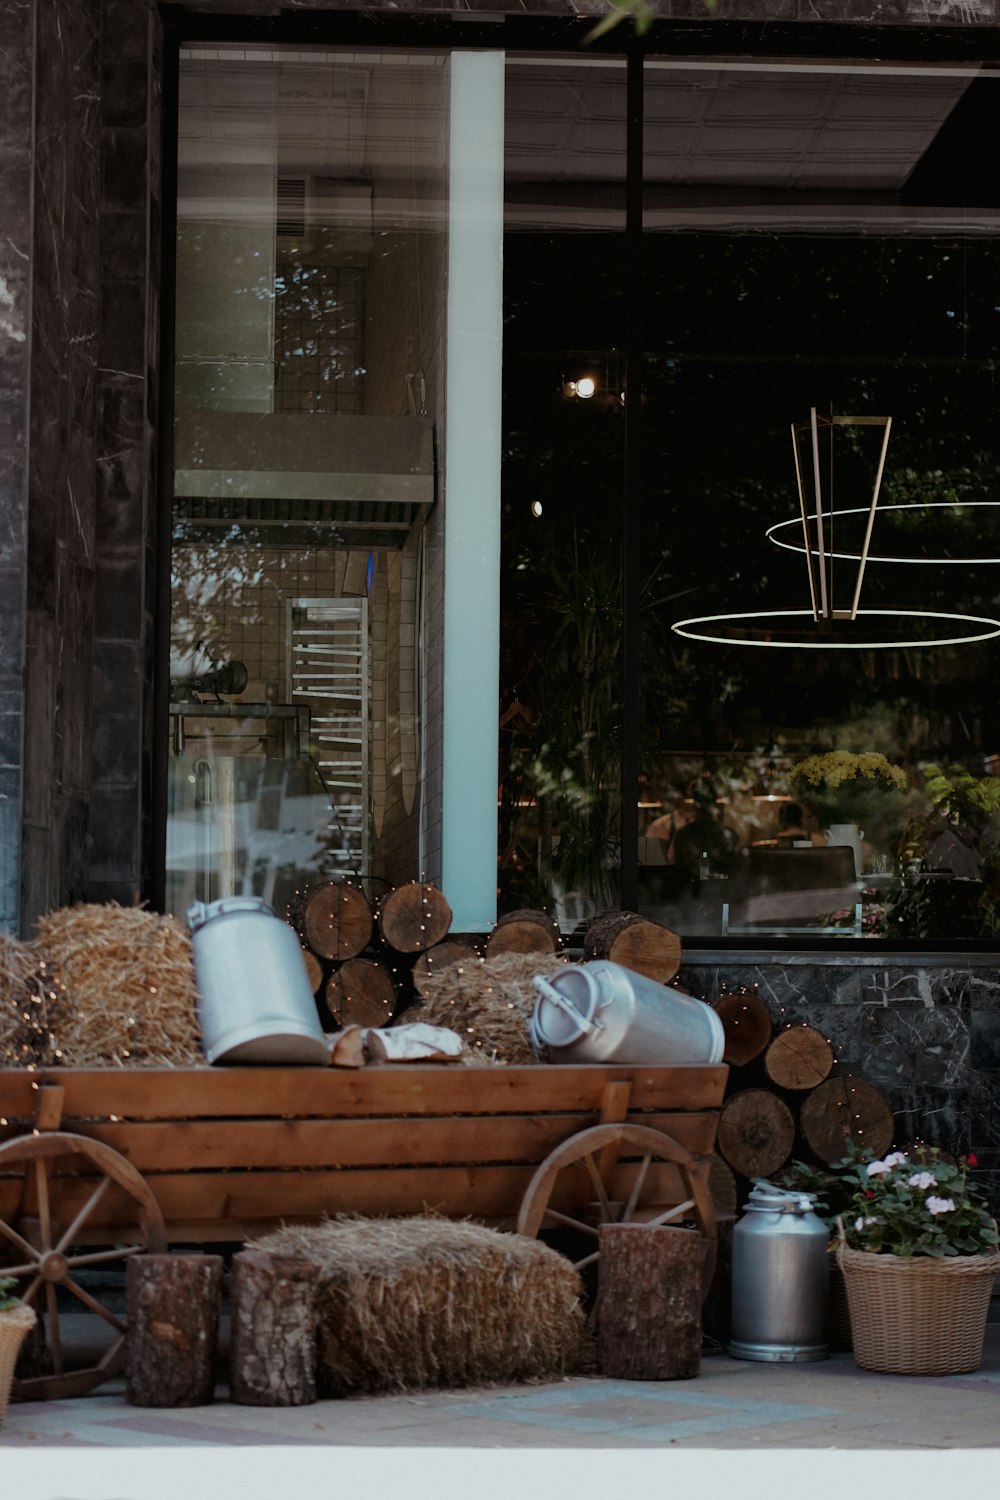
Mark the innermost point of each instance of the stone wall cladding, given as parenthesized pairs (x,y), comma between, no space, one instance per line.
(926,1034)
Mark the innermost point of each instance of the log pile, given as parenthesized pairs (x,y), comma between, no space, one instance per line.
(788,1096)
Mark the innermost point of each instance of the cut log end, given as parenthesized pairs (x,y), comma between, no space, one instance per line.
(414,917)
(799,1057)
(643,946)
(524,931)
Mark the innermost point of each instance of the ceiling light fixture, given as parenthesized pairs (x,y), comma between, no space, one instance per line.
(888,512)
(824,627)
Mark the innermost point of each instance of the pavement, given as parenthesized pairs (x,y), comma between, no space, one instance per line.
(823,1419)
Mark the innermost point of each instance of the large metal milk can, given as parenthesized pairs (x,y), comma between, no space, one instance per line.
(780,1273)
(601,1012)
(255,1002)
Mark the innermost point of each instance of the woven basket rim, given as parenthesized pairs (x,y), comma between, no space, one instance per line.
(18,1315)
(882,1261)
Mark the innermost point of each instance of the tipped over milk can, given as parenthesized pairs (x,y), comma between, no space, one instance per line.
(780,1272)
(255,1001)
(601,1012)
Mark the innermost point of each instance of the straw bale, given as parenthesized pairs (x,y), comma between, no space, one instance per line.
(426,1302)
(126,987)
(30,1008)
(489,1002)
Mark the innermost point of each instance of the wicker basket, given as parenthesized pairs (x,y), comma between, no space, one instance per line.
(918,1315)
(15,1325)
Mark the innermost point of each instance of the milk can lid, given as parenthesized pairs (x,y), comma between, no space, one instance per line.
(198,913)
(767,1197)
(564,1010)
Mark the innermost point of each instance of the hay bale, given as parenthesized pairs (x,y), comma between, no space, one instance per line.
(30,1008)
(125,983)
(489,1003)
(424,1302)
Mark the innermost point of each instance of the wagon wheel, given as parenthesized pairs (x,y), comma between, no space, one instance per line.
(45,1253)
(581,1150)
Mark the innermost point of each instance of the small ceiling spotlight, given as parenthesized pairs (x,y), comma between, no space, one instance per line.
(536,507)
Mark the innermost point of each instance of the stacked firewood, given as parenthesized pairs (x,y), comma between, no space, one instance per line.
(788,1096)
(375,964)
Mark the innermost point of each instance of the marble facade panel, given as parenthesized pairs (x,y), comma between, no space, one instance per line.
(917,1045)
(984,1040)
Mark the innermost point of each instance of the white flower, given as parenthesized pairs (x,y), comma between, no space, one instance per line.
(860,1224)
(922,1180)
(877,1168)
(940,1205)
(896,1159)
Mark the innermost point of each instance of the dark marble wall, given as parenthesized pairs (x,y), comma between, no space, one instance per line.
(127,386)
(926,1032)
(79,314)
(872,12)
(65,302)
(17,50)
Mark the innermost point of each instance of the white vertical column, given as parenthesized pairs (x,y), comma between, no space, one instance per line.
(472,490)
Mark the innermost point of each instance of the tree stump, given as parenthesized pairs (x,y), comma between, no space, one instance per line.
(799,1058)
(172,1305)
(841,1108)
(335,919)
(746,1022)
(649,1302)
(414,917)
(524,931)
(756,1132)
(360,993)
(273,1353)
(435,960)
(630,940)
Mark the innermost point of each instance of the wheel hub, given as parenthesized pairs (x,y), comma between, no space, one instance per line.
(53,1266)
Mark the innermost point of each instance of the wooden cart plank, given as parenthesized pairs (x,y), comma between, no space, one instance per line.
(262,1144)
(302,1092)
(218,1207)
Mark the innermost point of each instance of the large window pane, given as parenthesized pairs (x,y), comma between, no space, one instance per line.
(561,704)
(311,259)
(821,240)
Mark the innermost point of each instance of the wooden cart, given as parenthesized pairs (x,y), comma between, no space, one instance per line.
(100,1164)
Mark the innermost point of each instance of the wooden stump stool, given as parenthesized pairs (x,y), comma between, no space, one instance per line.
(172,1305)
(272,1359)
(649,1302)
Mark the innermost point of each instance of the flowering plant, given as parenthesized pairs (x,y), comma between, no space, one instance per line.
(7,1283)
(840,786)
(923,1205)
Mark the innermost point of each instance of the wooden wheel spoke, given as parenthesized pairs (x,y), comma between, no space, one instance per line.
(22,1244)
(671,1213)
(599,1188)
(588,1260)
(92,1302)
(98,1257)
(44,1204)
(55,1336)
(571,1223)
(32,1287)
(85,1212)
(633,1197)
(24,1270)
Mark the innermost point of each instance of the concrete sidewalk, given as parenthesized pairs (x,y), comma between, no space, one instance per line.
(732,1405)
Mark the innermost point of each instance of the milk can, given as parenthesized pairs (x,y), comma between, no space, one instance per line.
(602,1012)
(255,1002)
(779,1279)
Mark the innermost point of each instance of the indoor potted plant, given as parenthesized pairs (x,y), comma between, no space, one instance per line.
(851,795)
(918,1251)
(16,1322)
